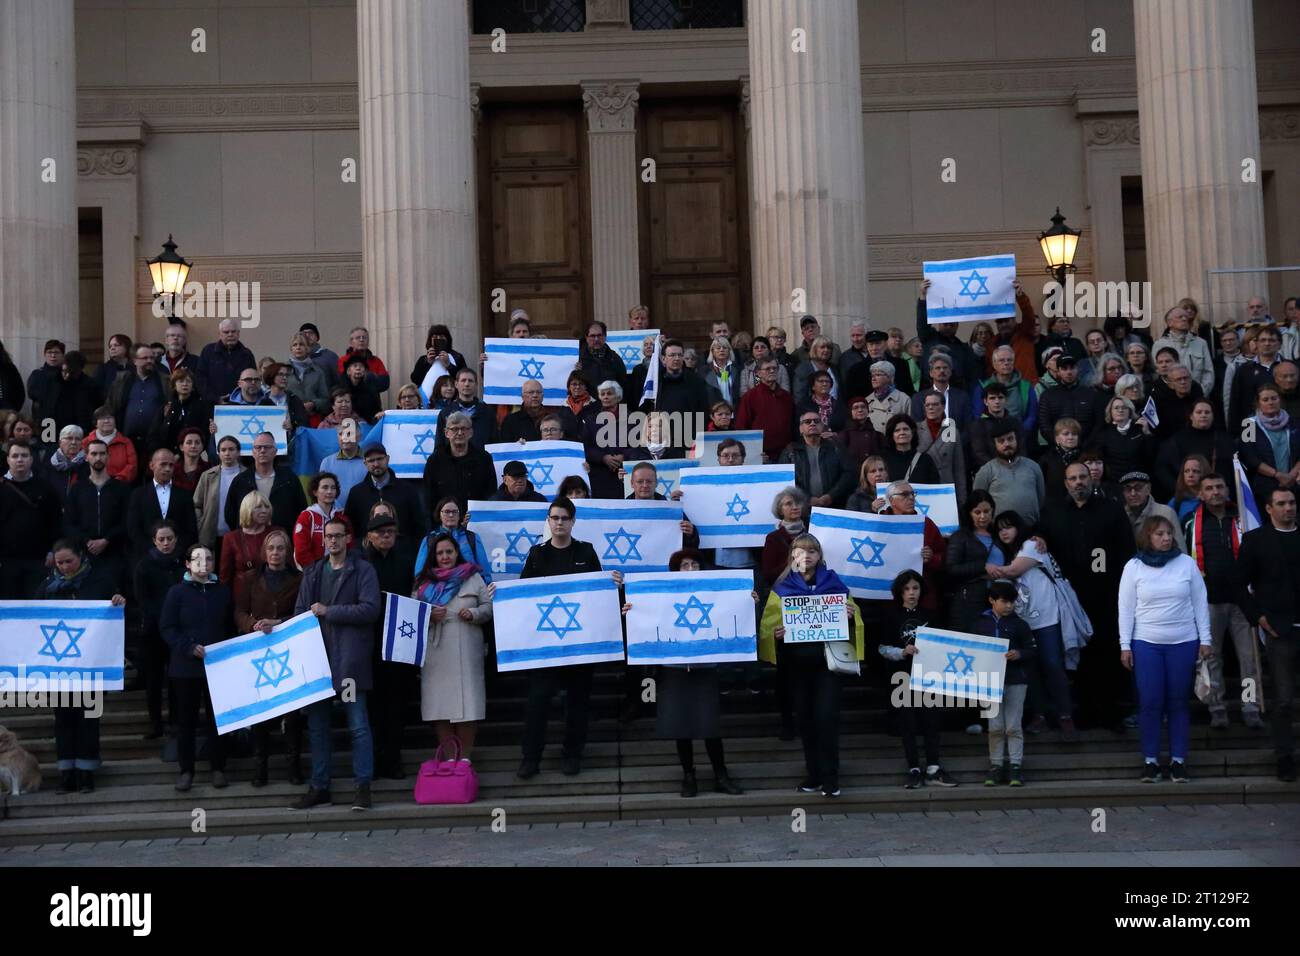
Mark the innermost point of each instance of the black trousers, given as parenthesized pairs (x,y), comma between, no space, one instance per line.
(76,739)
(1282,652)
(816,694)
(153,666)
(295,722)
(1101,683)
(386,703)
(913,717)
(190,693)
(20,577)
(575,681)
(712,746)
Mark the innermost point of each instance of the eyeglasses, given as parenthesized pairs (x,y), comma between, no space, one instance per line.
(263,448)
(903,494)
(334,537)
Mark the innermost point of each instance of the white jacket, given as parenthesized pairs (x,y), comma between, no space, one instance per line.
(1165,605)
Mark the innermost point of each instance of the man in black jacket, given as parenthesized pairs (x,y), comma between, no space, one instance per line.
(380,484)
(43,383)
(1267,583)
(221,362)
(95,512)
(458,469)
(136,397)
(77,395)
(819,469)
(681,392)
(392,557)
(160,498)
(277,482)
(1091,539)
(1069,399)
(29,524)
(597,361)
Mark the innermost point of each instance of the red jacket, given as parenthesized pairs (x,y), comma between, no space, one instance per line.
(773,412)
(309,535)
(122,462)
(1024,341)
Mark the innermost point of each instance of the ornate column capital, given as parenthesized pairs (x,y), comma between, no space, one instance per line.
(610,105)
(608,15)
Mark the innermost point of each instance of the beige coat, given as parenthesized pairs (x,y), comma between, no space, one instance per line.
(947,456)
(206,505)
(451,680)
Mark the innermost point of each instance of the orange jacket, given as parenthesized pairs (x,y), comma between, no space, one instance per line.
(122,462)
(1024,340)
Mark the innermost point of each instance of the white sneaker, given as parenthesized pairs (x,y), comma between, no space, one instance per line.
(975,729)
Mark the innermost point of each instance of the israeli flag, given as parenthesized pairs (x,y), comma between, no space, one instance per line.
(1248,518)
(436,371)
(259,676)
(706,445)
(508,529)
(61,646)
(936,502)
(630,535)
(868,551)
(628,342)
(409,436)
(406,629)
(512,362)
(1150,414)
(705,617)
(732,507)
(966,666)
(650,390)
(246,422)
(978,288)
(669,471)
(548,462)
(557,621)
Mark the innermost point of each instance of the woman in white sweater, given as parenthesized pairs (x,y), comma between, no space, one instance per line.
(1163,615)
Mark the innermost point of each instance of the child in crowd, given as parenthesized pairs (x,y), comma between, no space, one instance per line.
(1005,732)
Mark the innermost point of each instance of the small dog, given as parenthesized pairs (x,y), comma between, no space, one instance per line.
(19,771)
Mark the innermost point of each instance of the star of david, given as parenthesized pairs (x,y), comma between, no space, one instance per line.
(530,368)
(876,560)
(406,631)
(923,509)
(252,427)
(967,281)
(665,487)
(540,474)
(513,539)
(51,631)
(272,668)
(418,448)
(630,353)
(737,507)
(959,657)
(702,620)
(629,550)
(561,628)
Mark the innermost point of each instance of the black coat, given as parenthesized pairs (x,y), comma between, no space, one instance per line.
(195,614)
(92,512)
(472,477)
(686,394)
(965,561)
(142,512)
(1085,405)
(1268,578)
(12,391)
(394,571)
(287,497)
(43,389)
(1216,446)
(1123,453)
(31,518)
(120,394)
(837,479)
(1073,536)
(421,369)
(1172,410)
(219,369)
(603,368)
(924,472)
(75,401)
(411,522)
(174,417)
(156,574)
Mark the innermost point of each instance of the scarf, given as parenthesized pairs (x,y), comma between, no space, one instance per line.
(824,407)
(883,393)
(1123,429)
(303,367)
(444,584)
(575,406)
(793,528)
(106,439)
(935,427)
(61,461)
(1198,541)
(1067,455)
(56,583)
(826,581)
(1274,422)
(1158,559)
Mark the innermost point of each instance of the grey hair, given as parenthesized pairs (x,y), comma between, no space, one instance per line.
(940,355)
(858,324)
(884,368)
(726,344)
(1109,357)
(1132,411)
(459,418)
(1004,348)
(794,494)
(1128,381)
(895,487)
(72,431)
(613,386)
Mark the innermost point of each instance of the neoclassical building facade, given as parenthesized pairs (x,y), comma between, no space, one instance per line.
(396,163)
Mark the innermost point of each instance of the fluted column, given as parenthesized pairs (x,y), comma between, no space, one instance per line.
(419,231)
(809,223)
(1199,115)
(38,178)
(613,171)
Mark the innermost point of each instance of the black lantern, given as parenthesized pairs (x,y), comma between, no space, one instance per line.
(169,270)
(1058,245)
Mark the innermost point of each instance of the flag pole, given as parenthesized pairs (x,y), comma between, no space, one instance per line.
(1256,638)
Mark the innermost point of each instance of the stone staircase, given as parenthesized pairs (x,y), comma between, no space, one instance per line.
(627,773)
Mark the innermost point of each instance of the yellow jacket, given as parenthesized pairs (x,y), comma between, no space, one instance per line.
(772,620)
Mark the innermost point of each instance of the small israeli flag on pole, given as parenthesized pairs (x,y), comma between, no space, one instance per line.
(406,629)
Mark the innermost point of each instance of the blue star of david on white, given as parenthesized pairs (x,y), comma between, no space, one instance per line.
(958,657)
(737,508)
(418,448)
(252,427)
(876,560)
(512,543)
(406,630)
(923,509)
(540,474)
(968,281)
(559,628)
(530,368)
(272,668)
(701,619)
(51,631)
(627,552)
(665,487)
(630,353)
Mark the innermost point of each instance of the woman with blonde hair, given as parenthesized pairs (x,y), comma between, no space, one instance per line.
(241,548)
(307,380)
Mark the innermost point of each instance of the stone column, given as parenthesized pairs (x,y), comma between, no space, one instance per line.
(1199,116)
(419,230)
(614,173)
(38,179)
(809,222)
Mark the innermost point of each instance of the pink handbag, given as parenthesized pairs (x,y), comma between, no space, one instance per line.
(446,779)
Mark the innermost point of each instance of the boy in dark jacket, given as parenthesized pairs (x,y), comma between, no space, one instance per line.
(1000,620)
(161,569)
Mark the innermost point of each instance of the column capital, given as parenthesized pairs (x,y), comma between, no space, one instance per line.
(608,15)
(610,105)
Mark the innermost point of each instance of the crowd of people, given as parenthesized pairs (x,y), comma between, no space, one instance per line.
(1101,532)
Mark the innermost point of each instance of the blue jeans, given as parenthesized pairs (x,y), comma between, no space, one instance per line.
(318,725)
(1051,667)
(1164,680)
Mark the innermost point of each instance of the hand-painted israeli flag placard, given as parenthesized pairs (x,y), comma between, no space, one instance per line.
(61,646)
(936,502)
(705,617)
(628,343)
(630,535)
(966,666)
(557,621)
(246,422)
(508,529)
(978,288)
(511,362)
(732,507)
(706,445)
(868,551)
(260,676)
(548,462)
(409,436)
(405,636)
(669,471)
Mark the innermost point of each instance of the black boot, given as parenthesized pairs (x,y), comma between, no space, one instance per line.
(67,782)
(260,758)
(722,783)
(293,744)
(689,786)
(85,781)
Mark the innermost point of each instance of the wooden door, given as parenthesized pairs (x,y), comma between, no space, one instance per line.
(693,233)
(532,218)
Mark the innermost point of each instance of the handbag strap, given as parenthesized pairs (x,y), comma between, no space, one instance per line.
(438,754)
